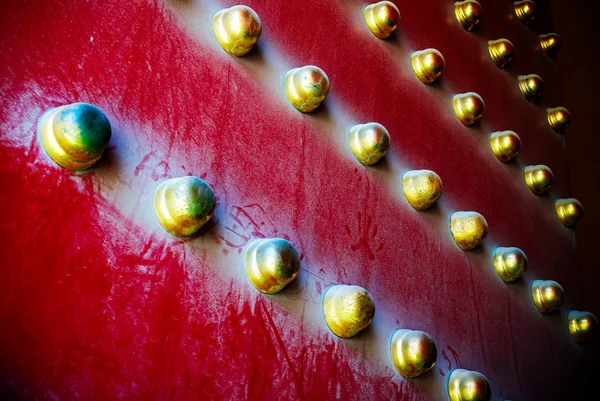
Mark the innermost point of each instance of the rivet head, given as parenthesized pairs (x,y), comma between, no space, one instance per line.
(184,204)
(237,29)
(468,13)
(501,51)
(427,64)
(525,11)
(306,87)
(510,263)
(348,309)
(468,229)
(559,119)
(271,264)
(582,325)
(369,142)
(547,295)
(468,107)
(75,136)
(531,86)
(505,145)
(382,18)
(551,44)
(468,385)
(569,211)
(413,352)
(538,178)
(422,188)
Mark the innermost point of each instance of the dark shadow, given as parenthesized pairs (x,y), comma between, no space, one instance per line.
(321,114)
(436,217)
(255,56)
(395,39)
(110,164)
(382,167)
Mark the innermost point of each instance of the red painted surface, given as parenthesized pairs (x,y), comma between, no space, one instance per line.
(99,302)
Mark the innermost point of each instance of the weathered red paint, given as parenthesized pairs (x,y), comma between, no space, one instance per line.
(98,302)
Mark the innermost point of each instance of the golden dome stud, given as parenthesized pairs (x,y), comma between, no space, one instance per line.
(468,107)
(237,29)
(75,136)
(427,64)
(505,145)
(501,51)
(547,295)
(382,18)
(422,188)
(510,263)
(559,119)
(581,325)
(525,11)
(468,385)
(306,87)
(413,352)
(468,13)
(531,86)
(184,204)
(569,211)
(369,142)
(468,229)
(538,178)
(348,309)
(271,264)
(551,44)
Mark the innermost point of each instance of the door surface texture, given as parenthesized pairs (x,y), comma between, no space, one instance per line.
(98,301)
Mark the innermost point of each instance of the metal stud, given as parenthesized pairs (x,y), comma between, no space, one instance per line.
(427,64)
(538,178)
(306,87)
(237,29)
(468,229)
(369,142)
(468,107)
(551,44)
(422,188)
(501,51)
(510,263)
(582,325)
(75,136)
(382,18)
(271,264)
(348,309)
(547,295)
(505,145)
(413,352)
(569,211)
(468,385)
(559,119)
(525,11)
(468,13)
(184,204)
(531,86)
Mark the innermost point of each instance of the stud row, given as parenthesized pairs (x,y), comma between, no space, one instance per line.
(75,136)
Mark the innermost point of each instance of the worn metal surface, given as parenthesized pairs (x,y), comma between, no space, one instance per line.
(99,302)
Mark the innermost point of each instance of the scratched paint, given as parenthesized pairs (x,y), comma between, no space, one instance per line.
(108,306)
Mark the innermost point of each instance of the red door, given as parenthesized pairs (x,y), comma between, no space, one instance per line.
(99,302)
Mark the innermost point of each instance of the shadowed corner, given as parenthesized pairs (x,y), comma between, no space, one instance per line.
(9,390)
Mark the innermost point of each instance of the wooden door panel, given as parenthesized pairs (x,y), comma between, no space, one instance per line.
(99,302)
